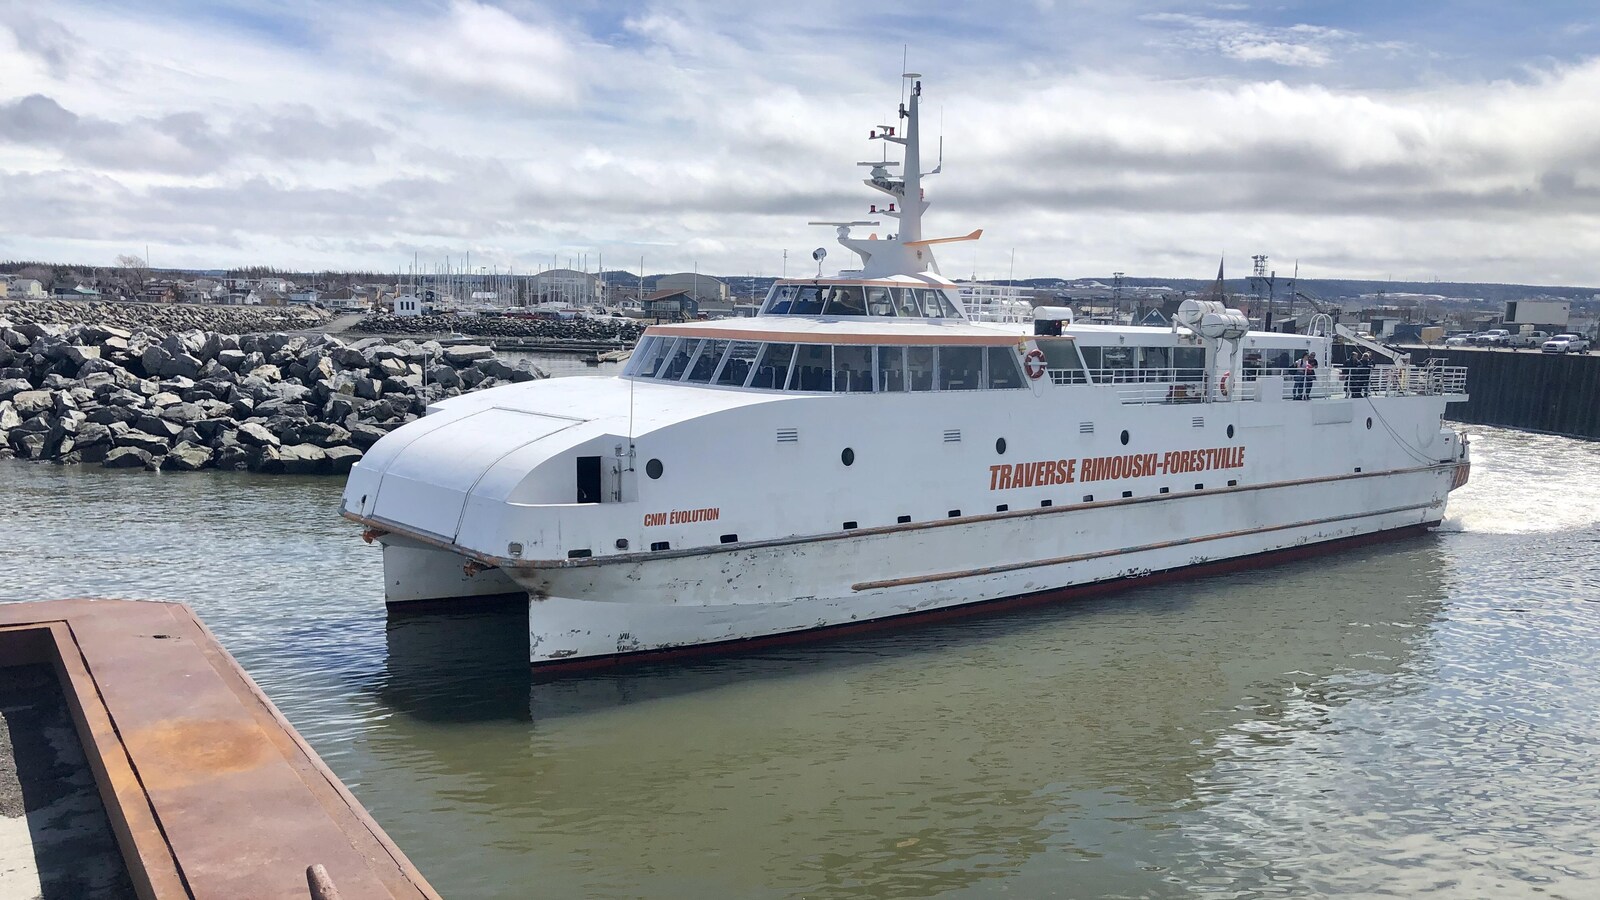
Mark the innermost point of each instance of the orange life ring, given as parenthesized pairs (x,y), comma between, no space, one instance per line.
(1226,376)
(1033,363)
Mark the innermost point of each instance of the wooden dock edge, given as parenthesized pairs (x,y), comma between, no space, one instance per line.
(209,790)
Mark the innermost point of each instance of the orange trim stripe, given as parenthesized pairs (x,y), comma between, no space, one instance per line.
(882,340)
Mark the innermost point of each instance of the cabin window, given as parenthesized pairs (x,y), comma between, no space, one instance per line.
(852,369)
(705,363)
(960,368)
(843,300)
(813,368)
(879,302)
(1003,371)
(773,369)
(906,303)
(781,299)
(891,368)
(736,366)
(919,368)
(1156,363)
(678,362)
(1190,363)
(647,359)
(1061,357)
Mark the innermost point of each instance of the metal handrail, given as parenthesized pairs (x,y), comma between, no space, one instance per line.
(1159,386)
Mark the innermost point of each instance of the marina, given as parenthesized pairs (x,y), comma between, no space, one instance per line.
(1409,717)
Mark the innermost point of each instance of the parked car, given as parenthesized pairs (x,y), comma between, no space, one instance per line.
(1494,337)
(1464,339)
(1566,343)
(1530,339)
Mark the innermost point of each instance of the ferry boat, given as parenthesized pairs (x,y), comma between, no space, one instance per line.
(866,451)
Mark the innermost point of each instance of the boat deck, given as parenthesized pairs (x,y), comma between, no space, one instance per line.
(208,790)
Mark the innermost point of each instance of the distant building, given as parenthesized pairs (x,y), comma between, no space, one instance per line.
(671,306)
(408,305)
(305,297)
(1538,315)
(710,294)
(275,285)
(567,287)
(27,288)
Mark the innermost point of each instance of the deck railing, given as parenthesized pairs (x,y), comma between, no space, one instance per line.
(1148,386)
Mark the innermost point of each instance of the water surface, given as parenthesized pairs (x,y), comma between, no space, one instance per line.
(1412,719)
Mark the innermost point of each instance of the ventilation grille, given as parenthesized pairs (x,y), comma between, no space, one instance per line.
(788,435)
(952,435)
(1086,428)
(1198,421)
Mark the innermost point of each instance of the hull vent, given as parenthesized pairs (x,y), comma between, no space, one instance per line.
(952,435)
(1198,421)
(788,435)
(1086,428)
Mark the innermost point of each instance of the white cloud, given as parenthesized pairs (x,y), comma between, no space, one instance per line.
(695,133)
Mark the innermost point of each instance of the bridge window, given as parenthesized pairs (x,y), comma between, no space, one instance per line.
(807,301)
(935,305)
(843,300)
(906,303)
(646,359)
(782,297)
(880,302)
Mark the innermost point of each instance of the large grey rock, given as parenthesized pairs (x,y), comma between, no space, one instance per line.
(267,372)
(153,358)
(364,435)
(255,434)
(341,459)
(368,388)
(10,387)
(389,367)
(467,354)
(183,364)
(92,433)
(231,359)
(325,434)
(443,375)
(302,459)
(187,457)
(161,428)
(144,441)
(127,458)
(30,403)
(8,416)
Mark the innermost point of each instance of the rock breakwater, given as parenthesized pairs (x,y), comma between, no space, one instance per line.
(625,332)
(164,317)
(186,400)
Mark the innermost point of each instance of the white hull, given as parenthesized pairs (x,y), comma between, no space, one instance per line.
(598,612)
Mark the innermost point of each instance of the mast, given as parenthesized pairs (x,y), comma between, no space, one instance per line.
(906,252)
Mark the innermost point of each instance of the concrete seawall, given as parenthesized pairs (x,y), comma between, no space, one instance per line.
(1535,391)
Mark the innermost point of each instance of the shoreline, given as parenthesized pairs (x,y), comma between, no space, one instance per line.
(157,398)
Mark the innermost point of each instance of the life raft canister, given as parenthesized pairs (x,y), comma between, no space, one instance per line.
(1033,363)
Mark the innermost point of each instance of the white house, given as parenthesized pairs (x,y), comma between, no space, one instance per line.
(29,288)
(408,305)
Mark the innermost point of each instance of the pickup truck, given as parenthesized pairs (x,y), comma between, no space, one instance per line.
(1494,337)
(1567,343)
(1529,339)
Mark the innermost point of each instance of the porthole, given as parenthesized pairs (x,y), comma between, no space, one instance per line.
(1369,423)
(1230,431)
(847,456)
(1000,446)
(653,468)
(1124,438)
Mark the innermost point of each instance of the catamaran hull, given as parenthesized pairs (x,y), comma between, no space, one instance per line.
(611,612)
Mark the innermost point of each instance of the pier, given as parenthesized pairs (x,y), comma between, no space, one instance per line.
(207,790)
(1558,394)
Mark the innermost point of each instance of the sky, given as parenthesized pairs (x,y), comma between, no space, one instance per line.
(1412,140)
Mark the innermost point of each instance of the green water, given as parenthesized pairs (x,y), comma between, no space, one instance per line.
(1413,719)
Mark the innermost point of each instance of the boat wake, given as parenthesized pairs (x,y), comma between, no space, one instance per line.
(1525,484)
